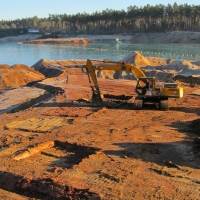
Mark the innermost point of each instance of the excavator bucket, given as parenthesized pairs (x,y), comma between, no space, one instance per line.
(96,98)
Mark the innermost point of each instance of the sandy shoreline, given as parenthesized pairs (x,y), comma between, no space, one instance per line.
(23,38)
(169,37)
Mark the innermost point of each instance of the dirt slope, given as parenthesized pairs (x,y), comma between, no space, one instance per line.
(17,75)
(163,69)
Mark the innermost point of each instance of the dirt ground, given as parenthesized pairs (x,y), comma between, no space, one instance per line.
(63,147)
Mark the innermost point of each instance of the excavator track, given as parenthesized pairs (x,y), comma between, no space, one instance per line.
(138,103)
(163,104)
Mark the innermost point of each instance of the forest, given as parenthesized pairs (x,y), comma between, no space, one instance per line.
(158,18)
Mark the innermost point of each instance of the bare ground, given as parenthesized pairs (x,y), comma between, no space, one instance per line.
(64,148)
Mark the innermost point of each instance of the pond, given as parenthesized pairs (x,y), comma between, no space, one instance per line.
(14,53)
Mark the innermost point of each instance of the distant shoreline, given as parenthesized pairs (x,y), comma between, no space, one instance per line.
(59,41)
(28,37)
(176,37)
(20,38)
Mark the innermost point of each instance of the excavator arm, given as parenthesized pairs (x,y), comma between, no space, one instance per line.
(121,66)
(96,95)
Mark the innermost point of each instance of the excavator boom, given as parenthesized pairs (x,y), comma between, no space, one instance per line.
(120,66)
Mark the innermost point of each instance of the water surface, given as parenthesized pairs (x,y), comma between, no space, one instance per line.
(12,52)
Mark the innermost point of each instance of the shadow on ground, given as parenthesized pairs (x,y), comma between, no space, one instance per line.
(42,188)
(178,153)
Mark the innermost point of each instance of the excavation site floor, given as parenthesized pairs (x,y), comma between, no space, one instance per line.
(65,147)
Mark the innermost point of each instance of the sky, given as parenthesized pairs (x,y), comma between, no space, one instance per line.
(18,9)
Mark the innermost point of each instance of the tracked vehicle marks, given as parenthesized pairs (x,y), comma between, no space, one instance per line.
(39,125)
(61,154)
(42,188)
(68,154)
(71,111)
(108,175)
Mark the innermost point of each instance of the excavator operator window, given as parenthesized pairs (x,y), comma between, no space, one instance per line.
(141,83)
(141,87)
(149,84)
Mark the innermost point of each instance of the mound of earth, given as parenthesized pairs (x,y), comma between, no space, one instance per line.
(17,75)
(53,68)
(59,41)
(182,70)
(182,67)
(134,58)
(163,69)
(138,60)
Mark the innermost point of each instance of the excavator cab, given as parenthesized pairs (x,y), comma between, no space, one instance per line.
(146,86)
(149,92)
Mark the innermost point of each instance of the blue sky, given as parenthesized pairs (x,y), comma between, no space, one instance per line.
(18,9)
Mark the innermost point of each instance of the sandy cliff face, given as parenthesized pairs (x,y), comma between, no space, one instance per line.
(169,37)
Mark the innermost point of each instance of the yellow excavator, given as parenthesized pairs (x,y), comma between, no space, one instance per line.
(147,89)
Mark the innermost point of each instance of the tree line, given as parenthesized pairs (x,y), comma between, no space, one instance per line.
(158,18)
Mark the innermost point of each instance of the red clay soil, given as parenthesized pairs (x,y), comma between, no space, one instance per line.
(110,152)
(59,41)
(17,75)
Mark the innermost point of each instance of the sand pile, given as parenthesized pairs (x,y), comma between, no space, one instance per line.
(181,67)
(161,68)
(17,75)
(182,70)
(106,74)
(134,58)
(54,68)
(138,60)
(148,65)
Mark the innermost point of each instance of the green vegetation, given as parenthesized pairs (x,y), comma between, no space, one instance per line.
(12,32)
(159,18)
